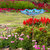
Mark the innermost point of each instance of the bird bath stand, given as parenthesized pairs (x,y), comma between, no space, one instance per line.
(32,26)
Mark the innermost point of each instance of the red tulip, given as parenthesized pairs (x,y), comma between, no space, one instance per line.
(37,20)
(27,21)
(24,22)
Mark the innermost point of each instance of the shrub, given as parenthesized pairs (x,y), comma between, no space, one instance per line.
(23,37)
(40,34)
(16,4)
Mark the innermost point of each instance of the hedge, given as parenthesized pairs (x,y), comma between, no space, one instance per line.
(17,4)
(44,0)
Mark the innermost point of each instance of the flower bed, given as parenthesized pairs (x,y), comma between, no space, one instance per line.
(29,37)
(42,5)
(8,10)
(36,22)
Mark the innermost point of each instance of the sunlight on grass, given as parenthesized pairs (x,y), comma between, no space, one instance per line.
(13,18)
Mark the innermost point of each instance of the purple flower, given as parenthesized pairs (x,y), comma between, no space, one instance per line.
(12,41)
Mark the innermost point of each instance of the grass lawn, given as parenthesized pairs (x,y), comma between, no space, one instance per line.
(13,18)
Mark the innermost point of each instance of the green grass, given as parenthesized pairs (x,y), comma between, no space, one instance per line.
(47,15)
(13,18)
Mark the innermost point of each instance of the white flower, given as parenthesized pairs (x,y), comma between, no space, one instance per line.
(33,40)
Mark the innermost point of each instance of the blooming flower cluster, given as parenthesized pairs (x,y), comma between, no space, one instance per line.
(7,9)
(12,38)
(37,47)
(31,21)
(42,5)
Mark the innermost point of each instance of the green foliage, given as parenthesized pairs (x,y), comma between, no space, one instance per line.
(17,4)
(1,44)
(4,43)
(44,0)
(40,36)
(26,30)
